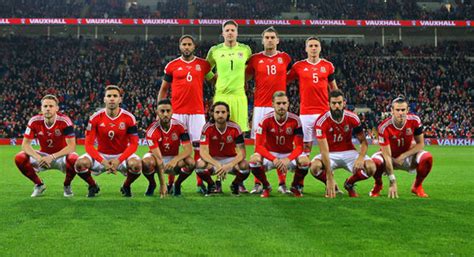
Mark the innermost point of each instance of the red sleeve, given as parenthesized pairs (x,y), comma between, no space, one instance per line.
(298,148)
(332,69)
(383,138)
(132,141)
(205,137)
(292,75)
(131,148)
(250,69)
(30,132)
(260,142)
(153,141)
(89,142)
(207,67)
(288,59)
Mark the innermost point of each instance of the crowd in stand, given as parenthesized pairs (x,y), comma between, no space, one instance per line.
(438,81)
(244,9)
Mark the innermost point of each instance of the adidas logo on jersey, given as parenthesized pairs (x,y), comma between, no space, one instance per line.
(41,133)
(102,125)
(180,68)
(305,69)
(261,61)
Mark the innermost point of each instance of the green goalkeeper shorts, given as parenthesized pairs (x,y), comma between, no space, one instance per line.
(238,109)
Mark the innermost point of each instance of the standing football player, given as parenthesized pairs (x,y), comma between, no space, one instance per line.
(185,77)
(269,70)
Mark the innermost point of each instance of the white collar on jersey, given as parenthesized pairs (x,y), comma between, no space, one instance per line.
(343,116)
(313,63)
(218,130)
(182,59)
(55,119)
(118,115)
(395,126)
(280,124)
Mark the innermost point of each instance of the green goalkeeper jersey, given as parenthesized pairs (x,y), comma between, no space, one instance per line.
(230,64)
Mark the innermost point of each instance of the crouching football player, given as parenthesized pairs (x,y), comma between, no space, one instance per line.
(164,138)
(55,133)
(222,150)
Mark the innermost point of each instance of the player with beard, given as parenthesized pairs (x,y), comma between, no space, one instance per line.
(222,150)
(164,138)
(278,145)
(334,130)
(185,76)
(397,151)
(117,136)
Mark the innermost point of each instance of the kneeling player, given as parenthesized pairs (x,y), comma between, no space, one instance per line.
(396,134)
(274,145)
(55,134)
(117,138)
(164,137)
(219,141)
(334,131)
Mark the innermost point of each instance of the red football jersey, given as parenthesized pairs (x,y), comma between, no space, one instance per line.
(187,79)
(113,134)
(313,84)
(222,144)
(338,135)
(269,74)
(51,139)
(168,141)
(399,139)
(278,137)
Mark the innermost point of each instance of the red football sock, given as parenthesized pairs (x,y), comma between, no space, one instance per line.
(298,179)
(240,177)
(281,177)
(380,168)
(423,168)
(131,177)
(259,172)
(206,176)
(321,176)
(196,158)
(23,163)
(150,178)
(70,172)
(256,181)
(183,175)
(170,179)
(357,176)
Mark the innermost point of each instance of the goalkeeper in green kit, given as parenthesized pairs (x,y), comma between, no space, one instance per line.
(229,59)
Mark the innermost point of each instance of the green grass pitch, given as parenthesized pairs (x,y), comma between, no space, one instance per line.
(192,225)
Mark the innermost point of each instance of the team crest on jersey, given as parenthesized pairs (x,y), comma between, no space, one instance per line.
(280,60)
(122,125)
(57,132)
(198,67)
(229,139)
(346,128)
(323,69)
(409,132)
(289,131)
(174,137)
